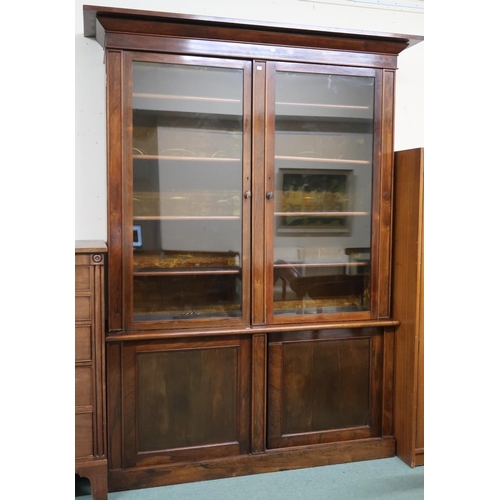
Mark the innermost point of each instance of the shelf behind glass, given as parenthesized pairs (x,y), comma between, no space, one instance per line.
(214,159)
(323,160)
(320,214)
(184,296)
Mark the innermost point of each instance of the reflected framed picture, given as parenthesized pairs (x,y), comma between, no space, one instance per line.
(312,201)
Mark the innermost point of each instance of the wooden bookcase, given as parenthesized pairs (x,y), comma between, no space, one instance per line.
(250,175)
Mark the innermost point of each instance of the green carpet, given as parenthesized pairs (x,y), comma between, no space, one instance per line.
(385,479)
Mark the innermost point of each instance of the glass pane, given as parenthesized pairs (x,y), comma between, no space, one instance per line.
(323,193)
(187,178)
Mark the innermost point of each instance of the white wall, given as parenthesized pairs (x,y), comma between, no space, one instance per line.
(90,127)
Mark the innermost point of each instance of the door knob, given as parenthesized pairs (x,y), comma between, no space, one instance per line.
(270,195)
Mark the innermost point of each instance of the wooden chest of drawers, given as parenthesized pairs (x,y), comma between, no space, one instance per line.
(90,407)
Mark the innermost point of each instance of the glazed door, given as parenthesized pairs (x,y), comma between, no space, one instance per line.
(319,190)
(187,169)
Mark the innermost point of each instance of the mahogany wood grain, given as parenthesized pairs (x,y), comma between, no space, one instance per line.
(115,161)
(324,386)
(408,305)
(187,333)
(92,12)
(267,181)
(83,343)
(388,383)
(185,400)
(243,50)
(246,185)
(385,195)
(259,127)
(259,384)
(378,137)
(114,403)
(84,427)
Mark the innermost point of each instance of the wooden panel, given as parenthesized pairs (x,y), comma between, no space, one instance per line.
(114,404)
(83,435)
(83,343)
(325,386)
(82,259)
(83,386)
(385,195)
(273,461)
(259,369)
(242,50)
(387,383)
(82,277)
(419,440)
(186,400)
(408,303)
(83,308)
(199,409)
(114,131)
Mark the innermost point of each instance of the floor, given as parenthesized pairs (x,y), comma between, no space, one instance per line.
(385,479)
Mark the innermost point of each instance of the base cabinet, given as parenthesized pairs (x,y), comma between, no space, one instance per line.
(187,409)
(90,409)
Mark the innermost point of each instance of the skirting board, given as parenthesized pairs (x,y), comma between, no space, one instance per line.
(270,461)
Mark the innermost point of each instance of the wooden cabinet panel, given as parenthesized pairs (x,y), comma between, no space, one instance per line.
(323,386)
(186,400)
(84,431)
(83,386)
(199,409)
(408,305)
(83,343)
(83,308)
(82,277)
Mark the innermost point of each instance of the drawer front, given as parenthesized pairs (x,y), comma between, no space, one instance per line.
(83,308)
(83,435)
(82,278)
(83,343)
(83,386)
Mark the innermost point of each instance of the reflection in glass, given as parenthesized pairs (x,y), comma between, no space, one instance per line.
(187,177)
(323,186)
